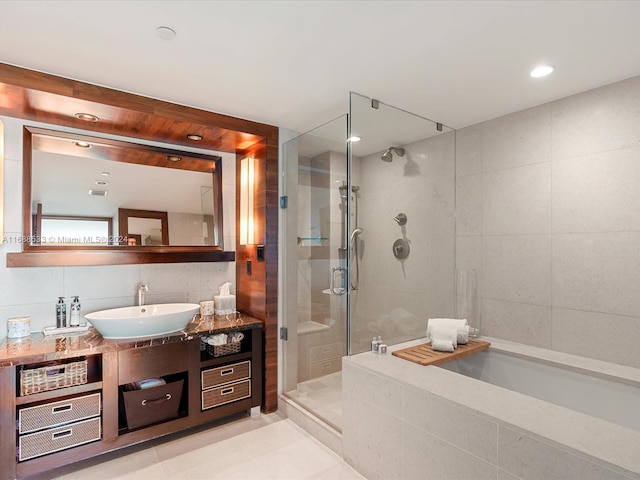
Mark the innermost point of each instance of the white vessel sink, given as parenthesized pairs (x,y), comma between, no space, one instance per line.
(144,321)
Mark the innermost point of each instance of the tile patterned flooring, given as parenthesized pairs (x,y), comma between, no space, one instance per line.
(261,448)
(323,397)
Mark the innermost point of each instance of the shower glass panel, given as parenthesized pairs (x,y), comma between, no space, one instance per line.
(315,274)
(403,170)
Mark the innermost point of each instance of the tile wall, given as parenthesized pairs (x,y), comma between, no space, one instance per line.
(33,291)
(548,214)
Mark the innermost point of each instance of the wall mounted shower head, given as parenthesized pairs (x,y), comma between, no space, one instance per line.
(387,156)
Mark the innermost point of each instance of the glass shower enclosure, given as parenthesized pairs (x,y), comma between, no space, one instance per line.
(369,242)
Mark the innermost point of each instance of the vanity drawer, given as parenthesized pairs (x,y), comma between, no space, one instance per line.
(215,397)
(59,438)
(225,374)
(51,414)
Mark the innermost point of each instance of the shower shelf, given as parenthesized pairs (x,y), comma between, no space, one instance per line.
(309,326)
(312,239)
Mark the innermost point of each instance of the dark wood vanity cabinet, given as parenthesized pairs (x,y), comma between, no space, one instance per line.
(48,429)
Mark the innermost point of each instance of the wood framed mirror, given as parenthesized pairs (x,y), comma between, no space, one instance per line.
(75,175)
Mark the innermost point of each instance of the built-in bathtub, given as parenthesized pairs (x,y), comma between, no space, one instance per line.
(513,412)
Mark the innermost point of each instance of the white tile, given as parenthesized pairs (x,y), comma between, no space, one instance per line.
(602,119)
(522,138)
(517,268)
(104,281)
(31,285)
(167,278)
(469,205)
(426,453)
(597,272)
(469,150)
(597,193)
(452,423)
(518,322)
(517,200)
(612,338)
(532,459)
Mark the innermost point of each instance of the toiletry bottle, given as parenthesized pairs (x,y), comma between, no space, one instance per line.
(61,313)
(75,312)
(374,344)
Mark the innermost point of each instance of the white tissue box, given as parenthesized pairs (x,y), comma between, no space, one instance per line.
(224,304)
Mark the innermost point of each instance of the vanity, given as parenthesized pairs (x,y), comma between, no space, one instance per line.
(68,398)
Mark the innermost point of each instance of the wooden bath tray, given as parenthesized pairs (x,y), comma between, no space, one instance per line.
(424,355)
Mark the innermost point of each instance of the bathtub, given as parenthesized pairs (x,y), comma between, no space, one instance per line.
(512,412)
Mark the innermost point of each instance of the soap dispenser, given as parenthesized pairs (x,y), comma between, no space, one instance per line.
(75,312)
(61,313)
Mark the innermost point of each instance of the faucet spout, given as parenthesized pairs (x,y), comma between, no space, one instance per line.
(142,291)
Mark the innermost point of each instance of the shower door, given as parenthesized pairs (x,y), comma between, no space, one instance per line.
(403,169)
(315,275)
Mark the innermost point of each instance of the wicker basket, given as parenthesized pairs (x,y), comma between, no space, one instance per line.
(51,377)
(224,349)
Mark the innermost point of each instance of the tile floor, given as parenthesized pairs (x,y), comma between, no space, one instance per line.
(265,447)
(323,397)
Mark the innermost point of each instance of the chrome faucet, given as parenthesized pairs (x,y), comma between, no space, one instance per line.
(142,291)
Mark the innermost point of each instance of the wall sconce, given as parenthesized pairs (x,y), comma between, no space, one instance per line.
(246,201)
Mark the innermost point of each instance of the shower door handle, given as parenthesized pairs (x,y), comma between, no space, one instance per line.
(332,282)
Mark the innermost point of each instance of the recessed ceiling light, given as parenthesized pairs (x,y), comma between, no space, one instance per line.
(541,71)
(194,137)
(166,33)
(101,182)
(98,193)
(354,138)
(87,117)
(105,174)
(82,144)
(174,158)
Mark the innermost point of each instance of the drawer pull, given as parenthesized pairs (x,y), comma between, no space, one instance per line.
(226,391)
(156,400)
(62,408)
(62,434)
(228,371)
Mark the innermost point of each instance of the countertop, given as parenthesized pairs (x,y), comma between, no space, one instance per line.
(43,348)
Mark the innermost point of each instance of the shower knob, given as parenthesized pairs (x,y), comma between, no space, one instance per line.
(401,249)
(401,219)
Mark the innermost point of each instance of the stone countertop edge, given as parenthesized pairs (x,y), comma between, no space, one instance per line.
(38,347)
(584,435)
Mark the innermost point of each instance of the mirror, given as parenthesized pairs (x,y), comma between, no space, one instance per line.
(84,191)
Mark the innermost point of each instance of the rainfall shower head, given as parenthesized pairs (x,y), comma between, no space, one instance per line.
(387,156)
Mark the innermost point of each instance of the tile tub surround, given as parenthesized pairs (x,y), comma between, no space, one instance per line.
(401,420)
(548,213)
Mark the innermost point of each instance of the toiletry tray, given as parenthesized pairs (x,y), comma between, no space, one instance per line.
(224,349)
(423,354)
(52,376)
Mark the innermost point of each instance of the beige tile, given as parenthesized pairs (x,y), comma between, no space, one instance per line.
(597,272)
(517,200)
(518,322)
(522,138)
(339,471)
(469,150)
(612,338)
(103,281)
(459,426)
(597,193)
(469,205)
(372,439)
(378,391)
(426,453)
(517,268)
(532,459)
(602,119)
(504,475)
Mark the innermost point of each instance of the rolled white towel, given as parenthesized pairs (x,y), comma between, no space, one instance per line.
(442,345)
(447,334)
(460,324)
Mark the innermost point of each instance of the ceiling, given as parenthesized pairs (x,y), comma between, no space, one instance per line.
(293,63)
